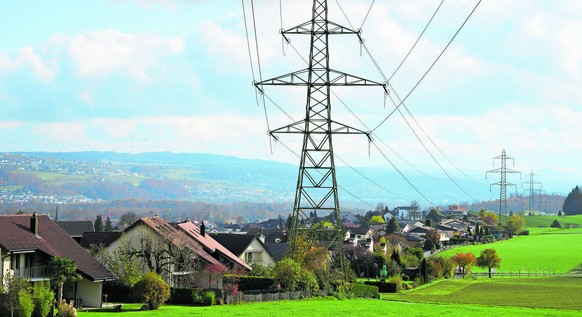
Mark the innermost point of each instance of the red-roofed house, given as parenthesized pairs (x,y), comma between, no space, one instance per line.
(217,250)
(159,247)
(28,243)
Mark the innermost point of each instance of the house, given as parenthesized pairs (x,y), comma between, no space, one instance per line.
(161,248)
(75,229)
(277,250)
(246,247)
(361,236)
(91,240)
(215,248)
(29,242)
(404,239)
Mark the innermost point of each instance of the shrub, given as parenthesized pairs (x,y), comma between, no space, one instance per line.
(383,287)
(202,297)
(308,282)
(181,296)
(397,281)
(556,224)
(25,303)
(43,299)
(365,291)
(152,290)
(262,270)
(118,293)
(246,283)
(287,273)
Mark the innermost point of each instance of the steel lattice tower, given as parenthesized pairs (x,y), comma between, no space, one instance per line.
(316,189)
(503,170)
(532,190)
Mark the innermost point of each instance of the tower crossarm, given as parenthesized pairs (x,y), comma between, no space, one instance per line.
(332,28)
(336,78)
(316,127)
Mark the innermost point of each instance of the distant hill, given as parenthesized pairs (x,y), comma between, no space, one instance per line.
(224,179)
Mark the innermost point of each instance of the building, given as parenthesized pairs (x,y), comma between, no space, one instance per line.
(29,242)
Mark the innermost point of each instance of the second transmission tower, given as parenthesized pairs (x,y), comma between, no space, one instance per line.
(532,190)
(503,171)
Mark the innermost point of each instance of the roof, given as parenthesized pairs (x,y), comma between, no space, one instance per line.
(277,250)
(76,228)
(98,238)
(15,235)
(209,243)
(236,243)
(174,236)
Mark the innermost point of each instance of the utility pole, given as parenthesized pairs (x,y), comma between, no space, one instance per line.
(316,190)
(531,189)
(503,171)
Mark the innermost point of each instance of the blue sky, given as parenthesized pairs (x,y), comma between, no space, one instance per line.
(163,75)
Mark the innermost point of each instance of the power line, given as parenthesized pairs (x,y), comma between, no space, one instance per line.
(432,65)
(417,40)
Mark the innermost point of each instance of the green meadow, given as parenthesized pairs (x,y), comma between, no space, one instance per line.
(554,250)
(546,221)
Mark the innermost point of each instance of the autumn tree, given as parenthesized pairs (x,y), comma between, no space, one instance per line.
(515,223)
(464,261)
(490,218)
(489,259)
(376,220)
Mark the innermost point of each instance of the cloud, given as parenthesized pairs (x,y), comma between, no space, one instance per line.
(103,52)
(28,57)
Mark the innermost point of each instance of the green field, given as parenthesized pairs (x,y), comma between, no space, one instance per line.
(553,251)
(555,293)
(546,221)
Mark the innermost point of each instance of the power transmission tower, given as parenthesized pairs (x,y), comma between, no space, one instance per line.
(532,190)
(316,190)
(503,170)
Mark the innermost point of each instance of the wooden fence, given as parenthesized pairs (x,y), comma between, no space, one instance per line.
(514,274)
(267,297)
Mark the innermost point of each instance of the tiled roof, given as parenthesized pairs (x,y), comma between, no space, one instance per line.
(174,236)
(98,238)
(210,244)
(277,250)
(76,228)
(15,235)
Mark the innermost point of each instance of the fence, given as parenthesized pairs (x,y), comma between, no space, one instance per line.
(514,274)
(267,297)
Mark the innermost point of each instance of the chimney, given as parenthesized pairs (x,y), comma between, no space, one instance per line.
(34,224)
(202,229)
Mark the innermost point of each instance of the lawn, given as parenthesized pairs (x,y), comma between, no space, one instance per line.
(550,251)
(323,307)
(554,293)
(546,221)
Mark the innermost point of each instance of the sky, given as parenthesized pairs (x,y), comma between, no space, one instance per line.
(175,75)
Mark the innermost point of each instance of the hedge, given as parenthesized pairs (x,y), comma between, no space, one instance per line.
(247,283)
(364,291)
(118,293)
(383,287)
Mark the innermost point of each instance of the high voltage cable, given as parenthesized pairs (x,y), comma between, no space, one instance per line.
(339,186)
(432,65)
(399,172)
(417,40)
(368,13)
(397,106)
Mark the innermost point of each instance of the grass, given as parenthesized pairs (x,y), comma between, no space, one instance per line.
(547,251)
(327,307)
(553,293)
(546,221)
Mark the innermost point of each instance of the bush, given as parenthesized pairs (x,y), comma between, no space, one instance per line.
(383,287)
(25,303)
(308,282)
(202,297)
(556,224)
(246,283)
(262,270)
(181,296)
(365,291)
(152,290)
(43,299)
(118,293)
(287,273)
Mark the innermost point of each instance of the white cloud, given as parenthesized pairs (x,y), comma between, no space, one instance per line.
(103,52)
(28,57)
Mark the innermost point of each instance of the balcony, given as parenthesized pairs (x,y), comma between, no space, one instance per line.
(32,273)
